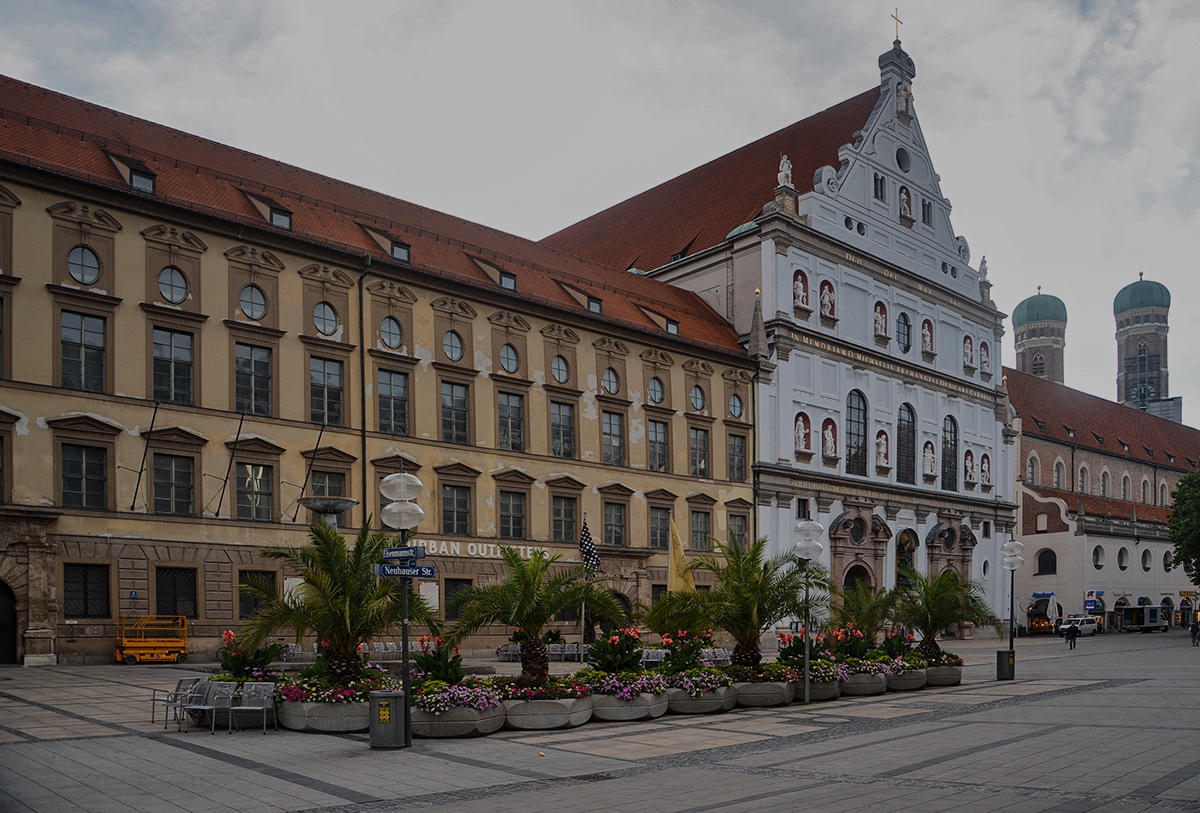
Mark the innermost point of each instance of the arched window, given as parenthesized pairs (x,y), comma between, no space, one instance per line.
(1060,474)
(949,454)
(1039,364)
(1047,562)
(1145,492)
(1083,480)
(906,445)
(1103,484)
(1125,488)
(856,433)
(1162,494)
(1143,349)
(1031,471)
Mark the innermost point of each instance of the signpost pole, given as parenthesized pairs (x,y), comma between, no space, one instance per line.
(404,676)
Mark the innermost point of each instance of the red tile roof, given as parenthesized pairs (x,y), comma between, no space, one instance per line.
(698,209)
(1052,411)
(59,134)
(1104,507)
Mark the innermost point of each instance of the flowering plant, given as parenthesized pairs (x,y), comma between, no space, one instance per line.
(860,666)
(945,659)
(437,661)
(791,645)
(849,642)
(553,636)
(684,649)
(763,673)
(511,688)
(622,685)
(436,696)
(824,671)
(621,651)
(312,685)
(897,646)
(239,663)
(699,680)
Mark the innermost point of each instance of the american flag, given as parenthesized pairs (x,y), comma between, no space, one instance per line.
(591,558)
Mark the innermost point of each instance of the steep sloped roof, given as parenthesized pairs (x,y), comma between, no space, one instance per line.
(51,132)
(1054,411)
(697,209)
(1105,507)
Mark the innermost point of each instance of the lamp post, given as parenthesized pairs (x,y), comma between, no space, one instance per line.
(1012,561)
(403,514)
(808,547)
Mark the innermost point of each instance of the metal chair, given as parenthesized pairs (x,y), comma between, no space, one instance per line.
(256,697)
(208,697)
(171,697)
(391,649)
(554,652)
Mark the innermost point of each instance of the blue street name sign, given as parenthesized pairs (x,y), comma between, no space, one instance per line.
(408,552)
(405,571)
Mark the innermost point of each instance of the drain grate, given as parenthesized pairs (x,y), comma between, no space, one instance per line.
(593,777)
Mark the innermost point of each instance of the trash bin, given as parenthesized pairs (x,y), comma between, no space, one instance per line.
(387,719)
(1005,664)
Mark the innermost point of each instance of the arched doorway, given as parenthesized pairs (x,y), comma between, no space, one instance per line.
(1118,620)
(857,575)
(8,625)
(1168,612)
(1185,612)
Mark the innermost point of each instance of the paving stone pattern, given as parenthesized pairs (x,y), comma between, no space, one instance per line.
(1108,727)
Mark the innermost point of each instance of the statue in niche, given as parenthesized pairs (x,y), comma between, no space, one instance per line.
(829,441)
(799,292)
(803,434)
(827,299)
(985,471)
(905,203)
(969,467)
(880,320)
(968,351)
(785,171)
(926,337)
(881,449)
(930,459)
(985,360)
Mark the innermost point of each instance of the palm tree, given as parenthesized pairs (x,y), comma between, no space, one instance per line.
(339,599)
(530,597)
(867,609)
(752,594)
(929,604)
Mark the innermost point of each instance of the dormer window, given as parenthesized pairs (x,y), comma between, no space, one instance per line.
(508,281)
(594,305)
(1039,424)
(1099,438)
(1070,431)
(142,180)
(281,218)
(672,327)
(401,252)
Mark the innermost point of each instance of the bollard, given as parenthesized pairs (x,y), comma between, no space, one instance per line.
(387,719)
(1005,664)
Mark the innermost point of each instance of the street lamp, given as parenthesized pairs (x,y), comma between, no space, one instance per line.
(403,514)
(808,547)
(1011,562)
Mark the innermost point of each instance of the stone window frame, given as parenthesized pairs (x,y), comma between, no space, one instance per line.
(82,224)
(276,574)
(260,452)
(515,482)
(610,352)
(8,422)
(389,298)
(254,336)
(90,432)
(561,341)
(461,476)
(88,304)
(695,424)
(8,285)
(699,374)
(518,388)
(177,442)
(738,508)
(573,402)
(659,500)
(565,487)
(511,329)
(695,509)
(619,495)
(338,355)
(249,266)
(196,568)
(458,315)
(663,416)
(331,460)
(729,456)
(450,374)
(396,365)
(167,246)
(624,439)
(113,599)
(161,318)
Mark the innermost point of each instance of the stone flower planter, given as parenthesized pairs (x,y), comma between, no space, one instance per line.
(680,702)
(645,706)
(907,682)
(460,722)
(324,718)
(818,690)
(765,694)
(943,675)
(537,715)
(860,684)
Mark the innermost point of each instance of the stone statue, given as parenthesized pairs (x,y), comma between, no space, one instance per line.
(785,171)
(930,459)
(985,471)
(926,337)
(881,450)
(905,203)
(799,293)
(968,351)
(829,442)
(985,360)
(802,435)
(827,301)
(983,267)
(880,320)
(970,467)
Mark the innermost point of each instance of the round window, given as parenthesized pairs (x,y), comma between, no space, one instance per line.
(903,160)
(84,265)
(253,302)
(560,369)
(697,397)
(452,346)
(390,332)
(611,381)
(1123,559)
(508,358)
(987,568)
(1147,560)
(1098,557)
(858,530)
(656,390)
(1167,562)
(325,319)
(172,284)
(735,406)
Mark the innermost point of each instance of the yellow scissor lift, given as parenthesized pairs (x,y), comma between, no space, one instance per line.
(151,638)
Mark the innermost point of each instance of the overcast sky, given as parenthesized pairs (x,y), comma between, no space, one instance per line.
(1065,133)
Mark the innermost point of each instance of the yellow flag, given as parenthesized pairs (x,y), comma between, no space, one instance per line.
(679,578)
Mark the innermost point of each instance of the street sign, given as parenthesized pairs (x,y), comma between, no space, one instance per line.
(408,552)
(405,571)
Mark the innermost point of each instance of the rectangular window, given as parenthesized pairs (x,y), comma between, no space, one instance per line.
(255,491)
(658,447)
(252,379)
(562,429)
(614,523)
(455,413)
(700,530)
(737,528)
(564,509)
(393,402)
(660,528)
(82,360)
(657,591)
(672,327)
(737,458)
(401,252)
(698,452)
(508,281)
(594,305)
(141,181)
(512,515)
(249,604)
(175,591)
(85,591)
(613,439)
(325,391)
(174,485)
(512,422)
(84,476)
(172,366)
(456,510)
(449,588)
(281,219)
(802,509)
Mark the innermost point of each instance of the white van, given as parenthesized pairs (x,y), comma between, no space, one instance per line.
(1086,623)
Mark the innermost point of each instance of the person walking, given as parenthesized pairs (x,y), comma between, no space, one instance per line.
(1072,635)
(1194,629)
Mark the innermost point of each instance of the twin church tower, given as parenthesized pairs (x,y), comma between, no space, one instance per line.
(1140,310)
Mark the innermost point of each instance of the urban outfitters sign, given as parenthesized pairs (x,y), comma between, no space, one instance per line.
(477,550)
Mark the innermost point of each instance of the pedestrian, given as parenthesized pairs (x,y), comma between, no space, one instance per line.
(1072,635)
(1194,629)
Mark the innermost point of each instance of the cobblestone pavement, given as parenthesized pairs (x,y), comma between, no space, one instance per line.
(1109,727)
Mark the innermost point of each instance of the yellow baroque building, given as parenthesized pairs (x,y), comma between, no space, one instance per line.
(193,337)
